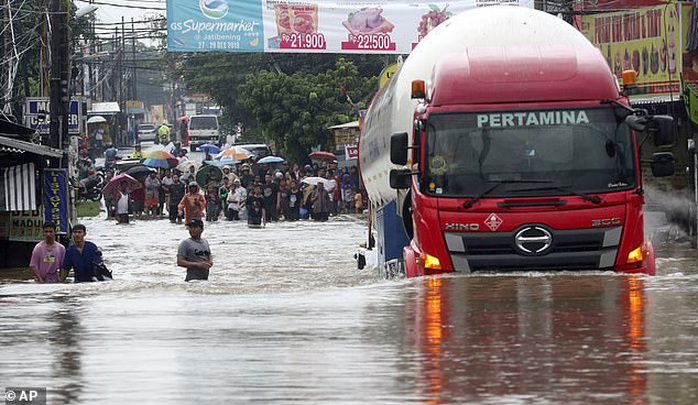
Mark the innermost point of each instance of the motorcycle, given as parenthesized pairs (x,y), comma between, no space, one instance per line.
(90,188)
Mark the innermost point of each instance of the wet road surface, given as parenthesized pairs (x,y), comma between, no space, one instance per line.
(287,318)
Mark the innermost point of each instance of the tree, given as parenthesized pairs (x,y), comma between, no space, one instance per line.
(221,74)
(294,111)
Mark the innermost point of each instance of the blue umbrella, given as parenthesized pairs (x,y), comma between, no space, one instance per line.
(271,159)
(210,148)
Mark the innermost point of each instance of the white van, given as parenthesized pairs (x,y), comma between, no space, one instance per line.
(259,150)
(203,129)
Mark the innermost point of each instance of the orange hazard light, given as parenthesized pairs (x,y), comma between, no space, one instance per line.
(629,78)
(418,89)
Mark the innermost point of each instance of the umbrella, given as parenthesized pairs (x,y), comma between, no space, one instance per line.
(111,190)
(233,154)
(323,156)
(210,148)
(271,159)
(216,163)
(161,159)
(313,181)
(203,175)
(139,172)
(184,166)
(96,119)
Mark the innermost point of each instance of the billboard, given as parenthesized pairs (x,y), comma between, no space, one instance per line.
(36,115)
(329,26)
(648,40)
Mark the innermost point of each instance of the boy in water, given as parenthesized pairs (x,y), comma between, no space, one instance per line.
(194,253)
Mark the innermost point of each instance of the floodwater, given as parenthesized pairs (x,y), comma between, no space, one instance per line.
(287,318)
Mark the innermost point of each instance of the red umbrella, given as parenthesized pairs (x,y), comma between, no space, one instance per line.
(111,190)
(324,156)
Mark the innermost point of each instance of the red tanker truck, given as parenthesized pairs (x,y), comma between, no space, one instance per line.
(505,143)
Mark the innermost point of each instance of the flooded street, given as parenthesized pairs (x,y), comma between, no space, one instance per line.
(287,318)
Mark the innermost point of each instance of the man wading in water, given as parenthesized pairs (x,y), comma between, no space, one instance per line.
(194,253)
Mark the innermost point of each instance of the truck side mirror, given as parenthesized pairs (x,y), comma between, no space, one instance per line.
(638,123)
(400,178)
(398,148)
(662,129)
(663,164)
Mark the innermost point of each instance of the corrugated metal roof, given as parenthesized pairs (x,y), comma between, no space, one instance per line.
(23,146)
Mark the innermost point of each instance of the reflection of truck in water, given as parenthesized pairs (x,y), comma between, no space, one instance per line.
(203,129)
(522,154)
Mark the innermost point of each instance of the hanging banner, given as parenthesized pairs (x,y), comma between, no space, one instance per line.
(56,198)
(647,40)
(338,26)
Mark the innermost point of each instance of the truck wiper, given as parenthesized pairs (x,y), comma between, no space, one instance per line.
(496,184)
(568,189)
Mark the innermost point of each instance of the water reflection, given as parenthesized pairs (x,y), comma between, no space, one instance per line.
(490,339)
(65,341)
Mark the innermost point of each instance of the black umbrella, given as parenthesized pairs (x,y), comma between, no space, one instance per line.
(139,172)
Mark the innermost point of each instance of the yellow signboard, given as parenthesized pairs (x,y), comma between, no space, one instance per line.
(387,73)
(647,40)
(345,136)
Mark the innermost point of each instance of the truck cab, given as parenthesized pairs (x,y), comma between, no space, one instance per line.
(541,172)
(203,129)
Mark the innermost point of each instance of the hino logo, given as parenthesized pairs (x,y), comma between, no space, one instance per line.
(533,240)
(461,227)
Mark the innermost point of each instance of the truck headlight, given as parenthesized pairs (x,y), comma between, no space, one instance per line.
(430,262)
(637,255)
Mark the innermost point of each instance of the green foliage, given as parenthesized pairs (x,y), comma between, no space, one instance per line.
(87,208)
(243,83)
(295,111)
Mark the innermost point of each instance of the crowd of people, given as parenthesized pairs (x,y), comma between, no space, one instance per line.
(252,192)
(247,191)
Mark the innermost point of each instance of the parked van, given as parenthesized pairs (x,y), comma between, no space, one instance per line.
(203,129)
(147,132)
(259,150)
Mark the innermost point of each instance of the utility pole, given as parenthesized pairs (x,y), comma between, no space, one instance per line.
(59,95)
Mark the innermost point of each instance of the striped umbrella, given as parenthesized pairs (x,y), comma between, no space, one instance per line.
(161,159)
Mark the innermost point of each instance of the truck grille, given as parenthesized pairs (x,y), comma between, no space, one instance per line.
(535,247)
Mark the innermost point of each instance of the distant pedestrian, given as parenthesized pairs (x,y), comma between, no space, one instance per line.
(47,256)
(122,204)
(212,203)
(322,204)
(194,253)
(294,200)
(177,191)
(192,205)
(255,208)
(152,194)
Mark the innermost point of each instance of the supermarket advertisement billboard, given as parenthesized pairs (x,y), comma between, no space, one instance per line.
(321,26)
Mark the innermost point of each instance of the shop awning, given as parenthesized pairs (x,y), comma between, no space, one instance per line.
(108,108)
(18,188)
(17,146)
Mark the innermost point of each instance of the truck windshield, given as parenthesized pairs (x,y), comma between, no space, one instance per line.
(528,153)
(203,123)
